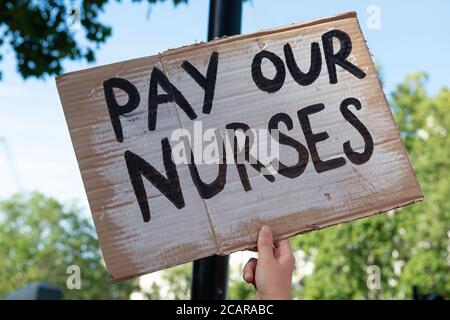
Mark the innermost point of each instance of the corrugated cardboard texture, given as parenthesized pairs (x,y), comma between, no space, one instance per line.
(230,220)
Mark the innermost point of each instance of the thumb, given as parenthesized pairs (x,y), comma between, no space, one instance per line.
(265,244)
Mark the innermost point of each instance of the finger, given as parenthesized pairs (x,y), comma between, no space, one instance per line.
(255,248)
(284,247)
(249,270)
(265,243)
(285,252)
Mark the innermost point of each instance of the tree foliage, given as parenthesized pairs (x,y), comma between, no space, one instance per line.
(40,239)
(42,36)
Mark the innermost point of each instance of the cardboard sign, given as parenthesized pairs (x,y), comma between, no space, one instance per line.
(312,86)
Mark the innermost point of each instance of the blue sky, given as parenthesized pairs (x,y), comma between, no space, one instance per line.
(414,36)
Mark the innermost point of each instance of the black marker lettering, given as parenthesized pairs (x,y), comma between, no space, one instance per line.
(114,109)
(301,78)
(172,94)
(339,57)
(247,146)
(268,85)
(313,138)
(207,83)
(353,156)
(169,187)
(303,155)
(209,190)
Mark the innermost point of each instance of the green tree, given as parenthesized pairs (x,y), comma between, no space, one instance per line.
(238,288)
(410,245)
(40,238)
(41,33)
(180,280)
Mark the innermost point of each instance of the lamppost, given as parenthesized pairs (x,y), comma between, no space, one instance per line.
(210,274)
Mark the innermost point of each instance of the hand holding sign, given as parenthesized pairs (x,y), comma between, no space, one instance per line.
(271,273)
(311,86)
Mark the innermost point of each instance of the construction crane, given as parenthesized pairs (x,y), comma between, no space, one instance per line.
(10,161)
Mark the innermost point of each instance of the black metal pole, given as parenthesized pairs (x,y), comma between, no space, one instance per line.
(224,18)
(210,274)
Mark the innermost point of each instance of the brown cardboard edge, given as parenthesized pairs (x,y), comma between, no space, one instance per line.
(224,40)
(257,34)
(310,228)
(380,86)
(330,223)
(114,279)
(83,179)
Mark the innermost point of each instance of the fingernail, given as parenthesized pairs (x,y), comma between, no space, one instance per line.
(265,230)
